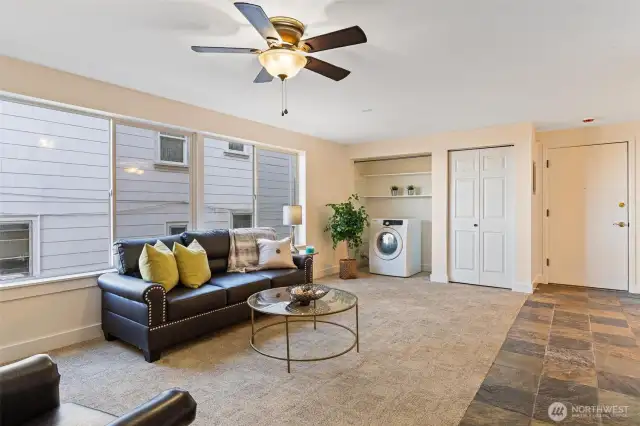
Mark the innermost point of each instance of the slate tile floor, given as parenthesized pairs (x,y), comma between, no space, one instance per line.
(573,345)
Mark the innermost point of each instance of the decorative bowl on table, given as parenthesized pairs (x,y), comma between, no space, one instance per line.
(303,294)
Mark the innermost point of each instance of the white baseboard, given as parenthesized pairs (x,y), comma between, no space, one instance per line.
(523,287)
(48,343)
(539,279)
(439,278)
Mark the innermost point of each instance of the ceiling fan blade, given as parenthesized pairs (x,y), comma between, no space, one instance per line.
(263,76)
(256,16)
(326,69)
(341,38)
(209,49)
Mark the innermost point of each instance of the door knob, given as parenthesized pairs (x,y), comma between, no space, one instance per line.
(620,224)
(475,224)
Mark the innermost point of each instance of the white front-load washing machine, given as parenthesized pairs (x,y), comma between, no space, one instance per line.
(395,247)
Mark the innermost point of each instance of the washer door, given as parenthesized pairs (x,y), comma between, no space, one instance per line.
(388,244)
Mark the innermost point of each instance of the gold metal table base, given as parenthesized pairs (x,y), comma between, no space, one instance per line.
(254,331)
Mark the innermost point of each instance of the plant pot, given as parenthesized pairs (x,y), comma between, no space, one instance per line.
(348,269)
(394,192)
(411,191)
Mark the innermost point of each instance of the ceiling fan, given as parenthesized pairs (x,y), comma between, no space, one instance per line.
(287,54)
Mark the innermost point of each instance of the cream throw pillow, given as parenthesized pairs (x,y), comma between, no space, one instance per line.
(275,254)
(158,265)
(193,264)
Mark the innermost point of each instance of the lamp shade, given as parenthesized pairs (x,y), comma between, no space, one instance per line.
(282,62)
(292,215)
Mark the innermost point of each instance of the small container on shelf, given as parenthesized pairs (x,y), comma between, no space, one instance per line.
(394,190)
(411,190)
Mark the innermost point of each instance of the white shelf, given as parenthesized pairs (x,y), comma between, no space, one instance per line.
(398,174)
(397,196)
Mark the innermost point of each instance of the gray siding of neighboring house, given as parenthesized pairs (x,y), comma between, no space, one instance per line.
(146,202)
(55,165)
(276,188)
(228,184)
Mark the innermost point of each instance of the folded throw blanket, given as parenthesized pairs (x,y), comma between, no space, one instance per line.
(243,248)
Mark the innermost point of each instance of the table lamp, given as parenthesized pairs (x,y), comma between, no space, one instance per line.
(292,216)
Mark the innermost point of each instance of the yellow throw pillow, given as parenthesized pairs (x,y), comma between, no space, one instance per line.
(157,265)
(193,264)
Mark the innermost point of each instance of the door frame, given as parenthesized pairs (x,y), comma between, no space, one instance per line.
(631,198)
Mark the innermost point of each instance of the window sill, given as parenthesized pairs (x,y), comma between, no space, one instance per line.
(42,286)
(159,165)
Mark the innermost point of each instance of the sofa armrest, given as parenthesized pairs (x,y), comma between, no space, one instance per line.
(304,262)
(28,388)
(173,407)
(131,288)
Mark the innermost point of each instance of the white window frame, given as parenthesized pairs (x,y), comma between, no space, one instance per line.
(233,214)
(34,244)
(172,224)
(245,153)
(185,150)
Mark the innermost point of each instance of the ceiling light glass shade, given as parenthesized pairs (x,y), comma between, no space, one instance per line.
(282,62)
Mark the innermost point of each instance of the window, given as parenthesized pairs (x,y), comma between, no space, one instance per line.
(242,220)
(16,247)
(172,150)
(228,184)
(276,188)
(176,228)
(54,192)
(238,150)
(148,198)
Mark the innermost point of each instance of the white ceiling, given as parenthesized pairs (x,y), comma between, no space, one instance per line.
(429,66)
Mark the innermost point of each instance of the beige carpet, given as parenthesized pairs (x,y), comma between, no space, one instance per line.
(424,350)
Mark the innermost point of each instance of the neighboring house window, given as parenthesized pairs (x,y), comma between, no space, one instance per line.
(172,150)
(176,228)
(237,149)
(17,243)
(242,220)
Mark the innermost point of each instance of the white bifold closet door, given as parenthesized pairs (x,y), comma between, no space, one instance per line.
(481,217)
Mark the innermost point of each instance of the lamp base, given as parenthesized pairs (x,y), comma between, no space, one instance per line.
(294,250)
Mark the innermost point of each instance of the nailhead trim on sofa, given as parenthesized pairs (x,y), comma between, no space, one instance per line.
(308,279)
(195,316)
(164,302)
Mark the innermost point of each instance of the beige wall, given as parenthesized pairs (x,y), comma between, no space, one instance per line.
(519,135)
(329,178)
(590,135)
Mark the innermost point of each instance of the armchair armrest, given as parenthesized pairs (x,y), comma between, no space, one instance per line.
(304,262)
(173,407)
(28,388)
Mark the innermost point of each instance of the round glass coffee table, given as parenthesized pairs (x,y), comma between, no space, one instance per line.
(277,301)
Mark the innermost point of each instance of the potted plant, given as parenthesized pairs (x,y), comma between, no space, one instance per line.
(347,224)
(394,190)
(411,189)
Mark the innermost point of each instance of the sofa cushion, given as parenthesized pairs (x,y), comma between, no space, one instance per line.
(128,252)
(283,277)
(72,414)
(240,286)
(215,242)
(184,302)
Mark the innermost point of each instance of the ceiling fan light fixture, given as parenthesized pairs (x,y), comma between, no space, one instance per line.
(280,62)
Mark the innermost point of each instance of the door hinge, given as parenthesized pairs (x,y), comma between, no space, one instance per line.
(547,212)
(547,262)
(547,164)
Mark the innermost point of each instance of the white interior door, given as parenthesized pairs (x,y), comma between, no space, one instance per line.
(587,201)
(497,205)
(464,217)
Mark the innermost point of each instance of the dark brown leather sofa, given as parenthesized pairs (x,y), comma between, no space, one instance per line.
(142,314)
(29,396)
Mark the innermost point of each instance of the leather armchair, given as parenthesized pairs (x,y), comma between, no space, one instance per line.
(29,396)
